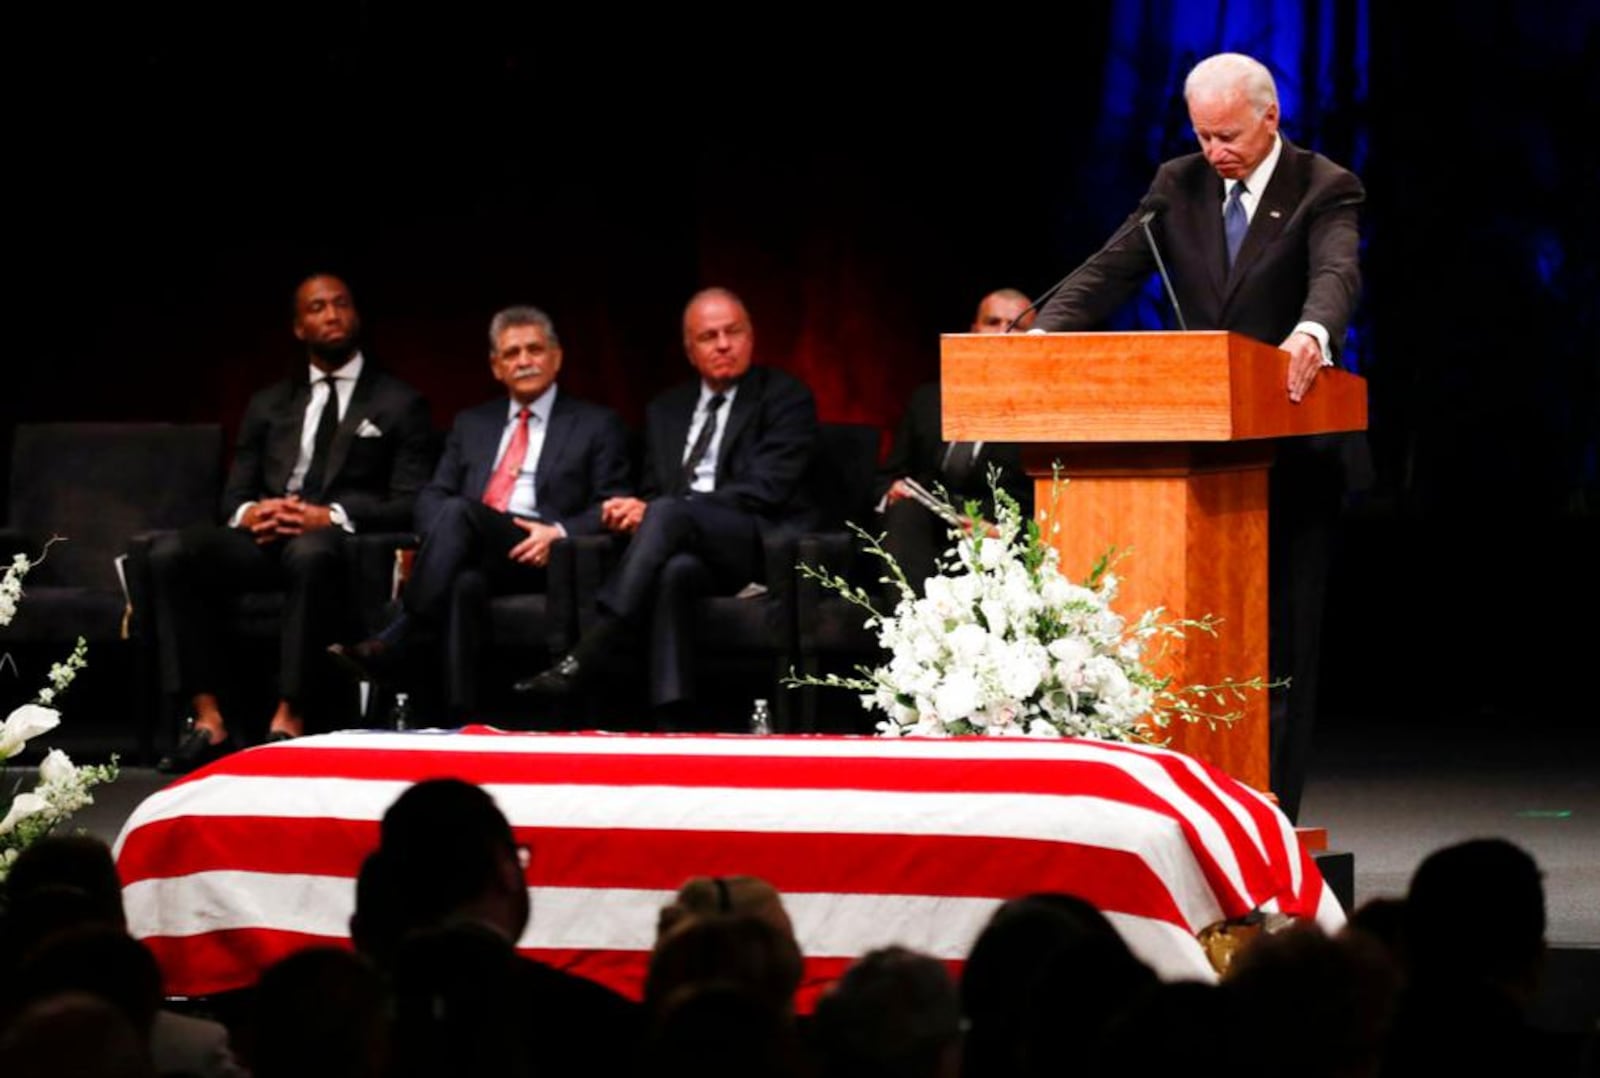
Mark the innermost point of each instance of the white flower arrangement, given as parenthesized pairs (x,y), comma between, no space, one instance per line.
(1002,644)
(62,787)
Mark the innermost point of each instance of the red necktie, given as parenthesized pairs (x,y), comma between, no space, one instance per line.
(497,495)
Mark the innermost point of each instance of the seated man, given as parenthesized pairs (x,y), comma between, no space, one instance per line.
(724,458)
(337,449)
(916,536)
(517,475)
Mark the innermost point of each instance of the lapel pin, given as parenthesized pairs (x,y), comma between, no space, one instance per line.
(1274,213)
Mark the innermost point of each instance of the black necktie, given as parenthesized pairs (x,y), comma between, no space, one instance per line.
(322,442)
(702,441)
(958,462)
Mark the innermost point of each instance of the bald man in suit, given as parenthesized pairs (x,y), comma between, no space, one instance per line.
(912,534)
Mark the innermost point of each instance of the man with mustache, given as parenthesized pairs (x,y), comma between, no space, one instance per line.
(519,474)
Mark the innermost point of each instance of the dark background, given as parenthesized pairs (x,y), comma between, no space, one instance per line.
(173,170)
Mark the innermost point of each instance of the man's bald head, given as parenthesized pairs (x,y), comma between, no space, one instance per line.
(999,309)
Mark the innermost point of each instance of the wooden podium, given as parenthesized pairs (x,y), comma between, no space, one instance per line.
(1166,439)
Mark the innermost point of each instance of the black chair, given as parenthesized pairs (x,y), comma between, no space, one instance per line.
(749,642)
(831,633)
(97,484)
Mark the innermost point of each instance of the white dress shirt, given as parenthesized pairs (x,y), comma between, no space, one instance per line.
(705,473)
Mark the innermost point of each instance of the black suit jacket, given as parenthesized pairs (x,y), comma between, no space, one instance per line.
(766,447)
(375,477)
(584,461)
(919,450)
(1298,261)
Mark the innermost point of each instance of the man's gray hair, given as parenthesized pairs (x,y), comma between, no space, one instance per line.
(1233,71)
(520,316)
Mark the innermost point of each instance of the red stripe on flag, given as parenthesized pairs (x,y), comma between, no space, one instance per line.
(224,961)
(643,859)
(187,844)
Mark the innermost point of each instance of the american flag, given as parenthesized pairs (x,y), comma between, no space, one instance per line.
(871,842)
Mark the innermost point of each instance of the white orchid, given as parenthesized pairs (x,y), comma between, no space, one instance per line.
(11,587)
(1001,644)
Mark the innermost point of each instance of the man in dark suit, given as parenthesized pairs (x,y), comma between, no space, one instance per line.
(724,458)
(913,535)
(517,475)
(1261,238)
(336,449)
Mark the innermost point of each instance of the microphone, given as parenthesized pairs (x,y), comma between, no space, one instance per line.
(1161,265)
(1152,206)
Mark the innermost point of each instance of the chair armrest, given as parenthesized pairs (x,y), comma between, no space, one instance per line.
(140,582)
(780,555)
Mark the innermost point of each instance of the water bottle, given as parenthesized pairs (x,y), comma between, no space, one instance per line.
(760,719)
(400,714)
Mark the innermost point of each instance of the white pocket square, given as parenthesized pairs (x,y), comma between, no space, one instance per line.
(368,429)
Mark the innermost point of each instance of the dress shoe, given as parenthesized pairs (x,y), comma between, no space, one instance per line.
(195,750)
(275,736)
(371,660)
(562,679)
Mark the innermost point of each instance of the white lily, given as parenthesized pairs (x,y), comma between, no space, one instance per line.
(23,806)
(57,767)
(24,724)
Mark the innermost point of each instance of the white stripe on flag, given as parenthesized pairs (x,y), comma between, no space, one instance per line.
(827,925)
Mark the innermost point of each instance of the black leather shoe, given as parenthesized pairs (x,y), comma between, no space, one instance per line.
(275,736)
(371,660)
(562,679)
(195,750)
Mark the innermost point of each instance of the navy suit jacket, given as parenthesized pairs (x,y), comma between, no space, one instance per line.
(765,452)
(382,450)
(584,461)
(1298,262)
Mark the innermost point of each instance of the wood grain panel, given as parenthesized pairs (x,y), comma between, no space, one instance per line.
(1134,387)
